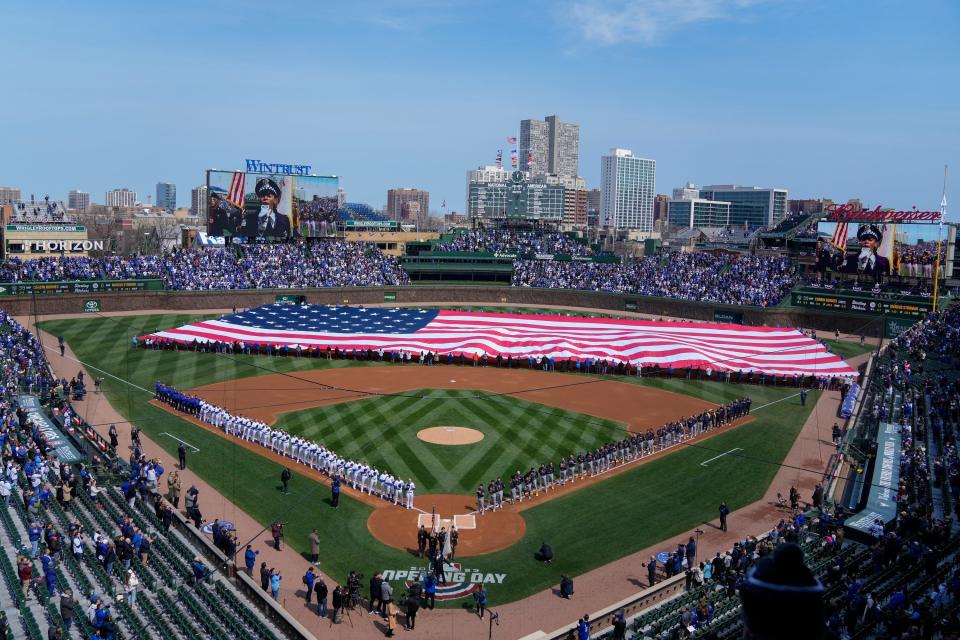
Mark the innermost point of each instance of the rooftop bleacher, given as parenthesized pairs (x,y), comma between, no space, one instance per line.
(46,212)
(360,212)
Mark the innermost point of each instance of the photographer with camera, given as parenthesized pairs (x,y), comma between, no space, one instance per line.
(353,588)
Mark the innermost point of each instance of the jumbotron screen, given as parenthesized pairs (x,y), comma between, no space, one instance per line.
(267,205)
(872,249)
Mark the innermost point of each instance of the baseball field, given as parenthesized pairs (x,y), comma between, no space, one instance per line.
(352,408)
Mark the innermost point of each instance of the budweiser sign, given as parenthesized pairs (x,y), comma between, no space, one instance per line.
(846,213)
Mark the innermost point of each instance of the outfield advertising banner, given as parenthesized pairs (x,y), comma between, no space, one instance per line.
(90,286)
(727,317)
(837,301)
(267,205)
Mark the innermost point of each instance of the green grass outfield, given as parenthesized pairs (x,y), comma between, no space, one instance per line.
(653,502)
(847,349)
(517,434)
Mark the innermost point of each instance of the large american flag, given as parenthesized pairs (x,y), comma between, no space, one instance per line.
(678,344)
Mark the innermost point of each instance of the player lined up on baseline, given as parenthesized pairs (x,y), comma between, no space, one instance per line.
(591,463)
(358,475)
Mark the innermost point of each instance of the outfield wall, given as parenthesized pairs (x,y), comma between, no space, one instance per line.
(186,301)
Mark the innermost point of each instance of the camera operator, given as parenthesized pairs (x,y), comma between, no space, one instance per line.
(353,588)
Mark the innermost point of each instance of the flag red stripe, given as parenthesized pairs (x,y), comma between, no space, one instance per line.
(680,344)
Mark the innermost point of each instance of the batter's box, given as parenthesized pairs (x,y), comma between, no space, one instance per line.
(434,521)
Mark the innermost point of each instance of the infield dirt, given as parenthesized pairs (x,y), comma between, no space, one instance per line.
(265,397)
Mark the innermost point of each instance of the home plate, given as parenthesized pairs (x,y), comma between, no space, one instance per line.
(434,521)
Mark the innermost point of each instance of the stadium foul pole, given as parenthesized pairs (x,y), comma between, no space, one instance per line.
(943,216)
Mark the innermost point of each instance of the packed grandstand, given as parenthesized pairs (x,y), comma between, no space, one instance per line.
(739,279)
(107,544)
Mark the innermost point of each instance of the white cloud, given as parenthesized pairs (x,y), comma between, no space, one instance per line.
(647,21)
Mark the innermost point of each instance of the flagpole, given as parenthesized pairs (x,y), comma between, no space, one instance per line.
(936,262)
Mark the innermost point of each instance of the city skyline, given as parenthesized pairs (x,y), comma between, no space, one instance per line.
(809,96)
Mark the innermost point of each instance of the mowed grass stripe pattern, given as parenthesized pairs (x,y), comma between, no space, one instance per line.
(383,432)
(662,500)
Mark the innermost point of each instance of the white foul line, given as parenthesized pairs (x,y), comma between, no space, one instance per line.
(774,402)
(90,366)
(704,463)
(179,440)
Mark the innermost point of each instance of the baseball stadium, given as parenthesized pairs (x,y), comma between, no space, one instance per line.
(324,424)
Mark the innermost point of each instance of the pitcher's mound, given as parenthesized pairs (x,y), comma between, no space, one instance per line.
(450,435)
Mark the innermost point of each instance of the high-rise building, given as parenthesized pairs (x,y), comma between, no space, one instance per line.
(697,212)
(167,195)
(9,195)
(78,200)
(549,146)
(756,206)
(410,211)
(121,198)
(396,198)
(593,207)
(661,207)
(627,189)
(688,191)
(199,201)
(575,206)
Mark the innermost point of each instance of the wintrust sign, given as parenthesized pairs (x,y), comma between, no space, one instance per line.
(846,213)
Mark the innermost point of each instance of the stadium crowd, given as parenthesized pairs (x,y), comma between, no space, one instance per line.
(84,552)
(743,279)
(751,280)
(306,264)
(516,242)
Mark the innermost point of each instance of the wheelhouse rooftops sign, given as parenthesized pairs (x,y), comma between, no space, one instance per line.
(847,213)
(47,228)
(258,166)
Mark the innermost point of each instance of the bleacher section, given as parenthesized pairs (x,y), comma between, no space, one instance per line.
(46,212)
(359,212)
(59,510)
(901,581)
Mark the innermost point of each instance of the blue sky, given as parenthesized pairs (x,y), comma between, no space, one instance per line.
(825,98)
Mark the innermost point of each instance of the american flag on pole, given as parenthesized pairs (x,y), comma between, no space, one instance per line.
(511,140)
(839,239)
(236,192)
(678,344)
